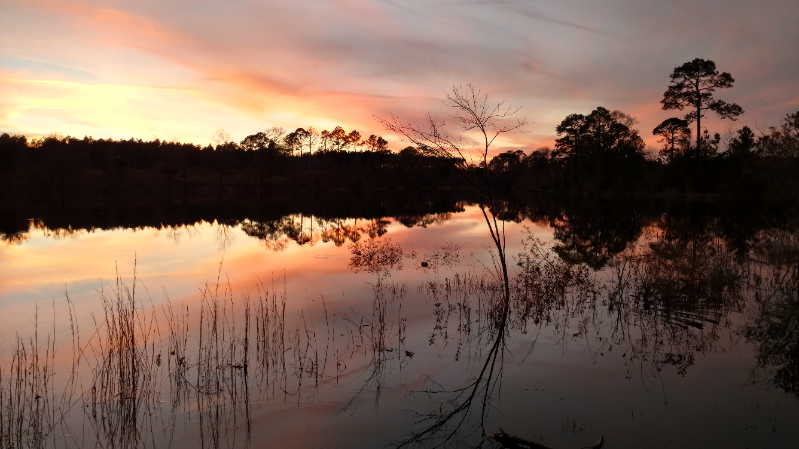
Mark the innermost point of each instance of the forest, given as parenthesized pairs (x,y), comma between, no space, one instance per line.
(598,153)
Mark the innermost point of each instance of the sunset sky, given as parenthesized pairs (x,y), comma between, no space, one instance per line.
(182,69)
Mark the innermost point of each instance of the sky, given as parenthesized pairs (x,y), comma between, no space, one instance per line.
(184,69)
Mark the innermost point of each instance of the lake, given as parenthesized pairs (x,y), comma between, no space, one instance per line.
(644,324)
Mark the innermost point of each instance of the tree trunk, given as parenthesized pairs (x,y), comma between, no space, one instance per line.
(698,116)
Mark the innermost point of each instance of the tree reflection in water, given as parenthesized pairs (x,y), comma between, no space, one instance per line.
(661,290)
(776,331)
(544,290)
(660,299)
(309,230)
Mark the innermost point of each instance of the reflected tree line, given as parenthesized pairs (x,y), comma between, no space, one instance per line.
(662,302)
(660,289)
(268,220)
(673,292)
(590,231)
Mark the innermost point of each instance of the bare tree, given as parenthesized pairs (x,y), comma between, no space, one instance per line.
(221,137)
(472,113)
(275,133)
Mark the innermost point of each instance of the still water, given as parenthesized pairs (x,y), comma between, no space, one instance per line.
(668,332)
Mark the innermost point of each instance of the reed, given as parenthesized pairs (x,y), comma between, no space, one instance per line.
(32,404)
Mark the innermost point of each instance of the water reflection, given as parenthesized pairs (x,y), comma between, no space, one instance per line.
(545,290)
(302,218)
(660,289)
(776,331)
(379,338)
(662,302)
(593,233)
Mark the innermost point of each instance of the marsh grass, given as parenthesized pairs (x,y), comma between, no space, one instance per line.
(270,349)
(125,355)
(373,336)
(32,405)
(145,370)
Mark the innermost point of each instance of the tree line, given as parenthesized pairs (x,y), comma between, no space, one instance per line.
(266,163)
(602,153)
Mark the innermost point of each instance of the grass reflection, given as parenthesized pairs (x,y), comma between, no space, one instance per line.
(147,376)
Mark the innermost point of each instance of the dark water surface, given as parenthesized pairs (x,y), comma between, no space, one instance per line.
(651,326)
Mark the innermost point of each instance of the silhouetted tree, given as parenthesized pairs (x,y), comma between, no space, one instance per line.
(781,146)
(275,133)
(783,141)
(221,137)
(324,141)
(353,138)
(410,150)
(599,133)
(507,166)
(693,84)
(507,161)
(708,146)
(599,147)
(376,143)
(294,141)
(743,144)
(337,138)
(228,146)
(255,142)
(675,134)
